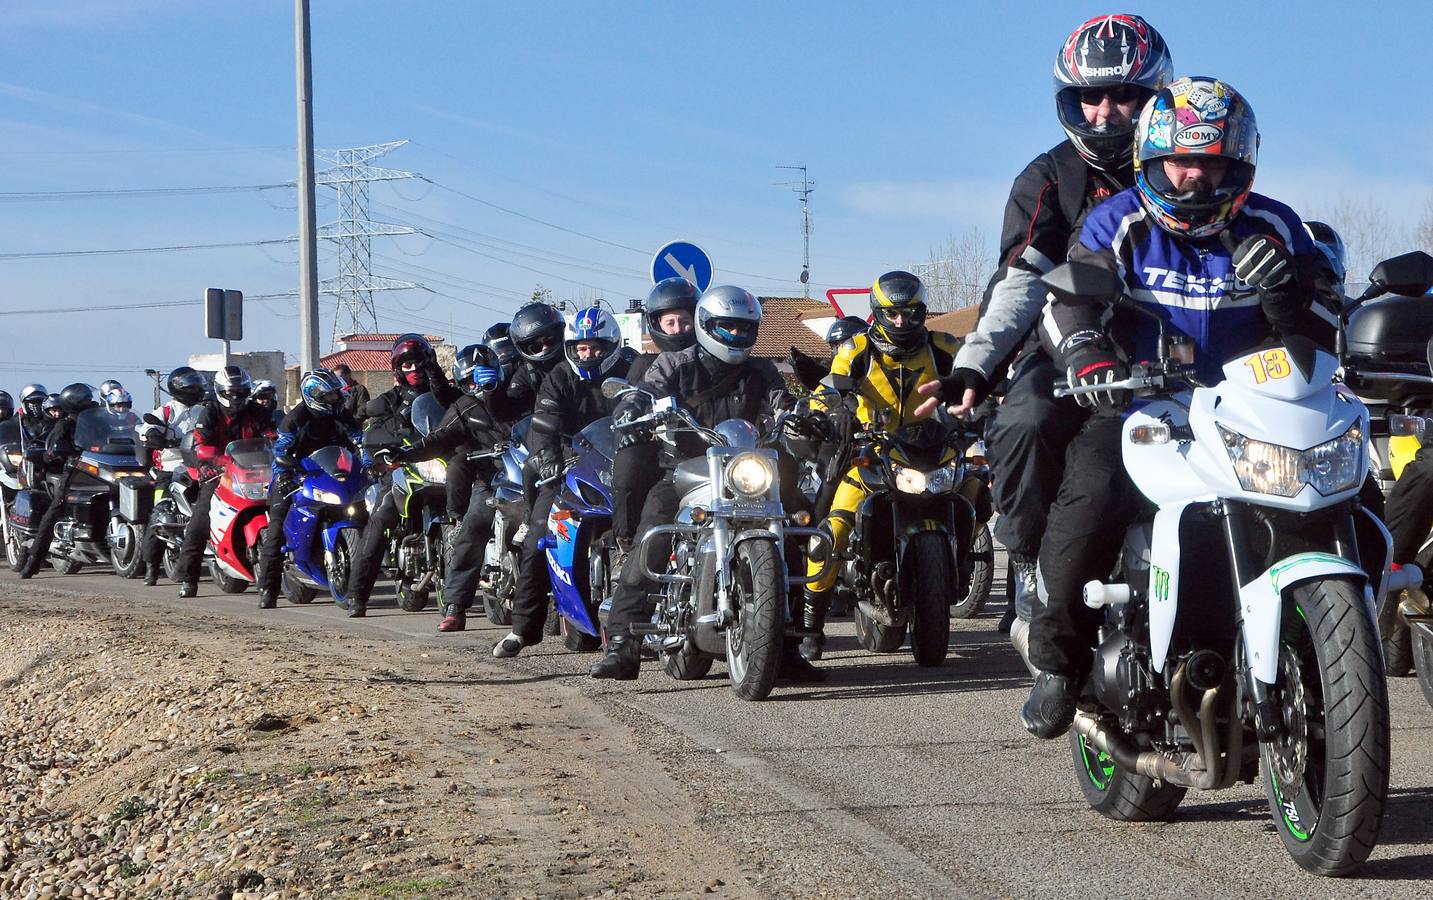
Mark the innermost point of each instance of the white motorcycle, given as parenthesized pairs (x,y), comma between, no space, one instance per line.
(1243,627)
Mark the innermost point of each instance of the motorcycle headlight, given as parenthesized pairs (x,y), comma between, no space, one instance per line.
(433,471)
(327,497)
(910,481)
(749,475)
(941,480)
(251,490)
(1264,468)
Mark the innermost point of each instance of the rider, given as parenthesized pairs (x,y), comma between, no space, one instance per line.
(32,422)
(1104,72)
(355,395)
(416,372)
(536,330)
(118,400)
(320,420)
(571,399)
(882,369)
(186,388)
(266,395)
(60,449)
(1227,268)
(230,416)
(499,340)
(469,425)
(7,406)
(810,371)
(714,380)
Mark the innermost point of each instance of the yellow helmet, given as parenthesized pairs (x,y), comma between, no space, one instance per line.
(898,292)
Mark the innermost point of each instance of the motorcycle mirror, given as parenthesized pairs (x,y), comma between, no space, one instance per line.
(152,419)
(1078,283)
(1429,353)
(1408,275)
(613,388)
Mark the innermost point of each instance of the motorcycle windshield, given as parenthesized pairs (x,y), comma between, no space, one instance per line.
(99,430)
(521,430)
(427,413)
(10,431)
(598,436)
(336,462)
(923,444)
(250,457)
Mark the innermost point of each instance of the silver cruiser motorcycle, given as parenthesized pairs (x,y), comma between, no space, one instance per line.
(724,591)
(1240,636)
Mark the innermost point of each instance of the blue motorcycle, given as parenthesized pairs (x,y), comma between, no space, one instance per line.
(578,545)
(320,531)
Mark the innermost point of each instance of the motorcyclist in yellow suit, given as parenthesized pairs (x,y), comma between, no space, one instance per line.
(881,370)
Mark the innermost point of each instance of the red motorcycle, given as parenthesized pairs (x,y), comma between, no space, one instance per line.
(239,512)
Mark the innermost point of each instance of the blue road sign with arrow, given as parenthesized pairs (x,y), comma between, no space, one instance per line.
(685,259)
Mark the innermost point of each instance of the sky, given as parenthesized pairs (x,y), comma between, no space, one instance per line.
(561,143)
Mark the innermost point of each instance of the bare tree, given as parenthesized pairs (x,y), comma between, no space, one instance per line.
(1369,234)
(956,272)
(1423,232)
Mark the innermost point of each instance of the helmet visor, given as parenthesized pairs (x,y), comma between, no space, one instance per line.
(737,333)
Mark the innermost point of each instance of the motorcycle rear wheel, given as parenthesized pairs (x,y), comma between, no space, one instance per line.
(577,640)
(874,636)
(930,574)
(410,600)
(171,563)
(14,549)
(1334,702)
(982,576)
(753,640)
(687,664)
(1423,661)
(296,591)
(226,582)
(1116,794)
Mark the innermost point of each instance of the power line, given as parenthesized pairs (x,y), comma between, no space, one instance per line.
(594,287)
(25,196)
(157,304)
(53,254)
(521,215)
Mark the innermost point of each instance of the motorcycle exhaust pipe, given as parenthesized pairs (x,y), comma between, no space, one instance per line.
(877,614)
(1020,638)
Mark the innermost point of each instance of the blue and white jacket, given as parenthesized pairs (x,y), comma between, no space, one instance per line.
(1190,283)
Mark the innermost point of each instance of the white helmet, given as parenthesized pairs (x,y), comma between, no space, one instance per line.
(593,324)
(728,320)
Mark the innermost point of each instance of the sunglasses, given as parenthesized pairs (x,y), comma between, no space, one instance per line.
(1118,93)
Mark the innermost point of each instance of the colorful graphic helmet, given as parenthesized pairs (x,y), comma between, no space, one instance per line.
(1195,117)
(897,292)
(321,391)
(670,295)
(466,363)
(1331,249)
(728,322)
(593,324)
(117,399)
(232,387)
(1122,55)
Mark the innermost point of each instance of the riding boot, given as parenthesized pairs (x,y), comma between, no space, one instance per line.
(455,618)
(623,660)
(813,618)
(793,668)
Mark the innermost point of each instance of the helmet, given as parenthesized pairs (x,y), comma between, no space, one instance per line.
(232,387)
(51,406)
(593,324)
(537,330)
(897,292)
(669,295)
(1107,52)
(108,385)
(728,321)
(501,343)
(32,396)
(265,388)
(118,400)
(843,329)
(412,348)
(187,386)
(1331,249)
(76,398)
(470,358)
(7,406)
(321,391)
(1195,117)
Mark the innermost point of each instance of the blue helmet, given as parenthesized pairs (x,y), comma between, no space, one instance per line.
(321,391)
(593,324)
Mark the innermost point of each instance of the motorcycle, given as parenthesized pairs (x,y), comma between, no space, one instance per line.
(322,526)
(239,513)
(419,542)
(725,586)
(979,557)
(1241,633)
(12,461)
(578,545)
(499,576)
(912,537)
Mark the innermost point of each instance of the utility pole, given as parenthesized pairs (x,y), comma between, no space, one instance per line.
(803,189)
(308,234)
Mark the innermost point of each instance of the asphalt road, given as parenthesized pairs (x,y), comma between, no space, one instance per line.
(891,780)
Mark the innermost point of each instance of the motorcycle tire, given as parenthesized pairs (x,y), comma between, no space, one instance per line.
(982,576)
(410,600)
(1423,661)
(754,640)
(552,625)
(339,564)
(929,571)
(127,559)
(1330,679)
(1116,794)
(296,591)
(226,582)
(67,566)
(14,549)
(499,611)
(874,636)
(1397,640)
(576,640)
(171,563)
(687,664)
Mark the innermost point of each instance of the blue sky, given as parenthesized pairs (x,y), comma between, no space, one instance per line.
(630,122)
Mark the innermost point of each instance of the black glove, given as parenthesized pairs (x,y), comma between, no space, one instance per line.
(284,484)
(841,425)
(549,464)
(1093,363)
(954,386)
(807,370)
(1267,266)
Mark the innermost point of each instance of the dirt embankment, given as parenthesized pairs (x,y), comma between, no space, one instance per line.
(160,757)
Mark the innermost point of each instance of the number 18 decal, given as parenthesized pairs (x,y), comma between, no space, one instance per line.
(1269,364)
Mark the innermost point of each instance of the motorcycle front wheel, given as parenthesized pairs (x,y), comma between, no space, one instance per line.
(1326,776)
(14,549)
(171,563)
(929,574)
(296,591)
(226,582)
(339,563)
(124,550)
(753,639)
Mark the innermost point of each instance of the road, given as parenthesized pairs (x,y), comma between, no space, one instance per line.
(891,780)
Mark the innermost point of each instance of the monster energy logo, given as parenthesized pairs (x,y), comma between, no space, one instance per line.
(1159,581)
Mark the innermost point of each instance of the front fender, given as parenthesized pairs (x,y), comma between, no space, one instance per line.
(1261,604)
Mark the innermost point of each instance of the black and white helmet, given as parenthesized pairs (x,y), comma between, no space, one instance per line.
(187,385)
(1118,54)
(32,397)
(728,320)
(232,387)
